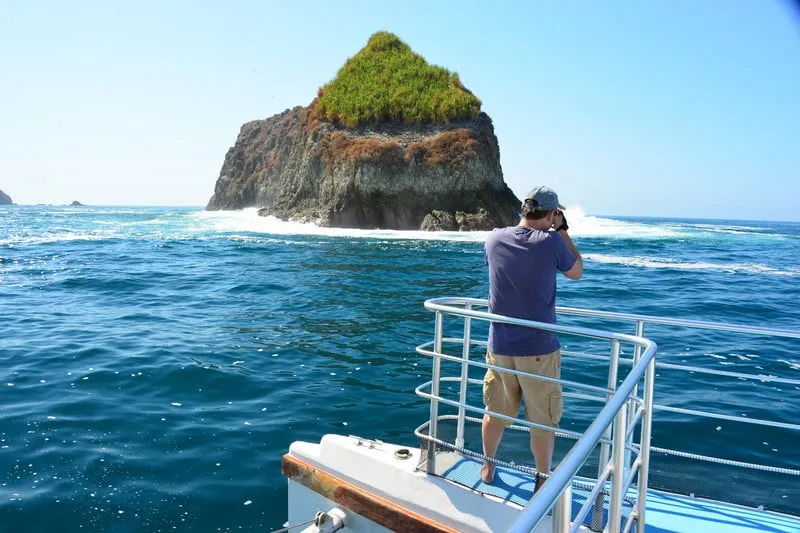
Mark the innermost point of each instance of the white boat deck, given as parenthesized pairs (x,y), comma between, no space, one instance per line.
(459,500)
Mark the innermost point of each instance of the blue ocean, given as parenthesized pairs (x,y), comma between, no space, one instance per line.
(155,363)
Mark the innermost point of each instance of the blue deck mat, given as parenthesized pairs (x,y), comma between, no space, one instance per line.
(514,486)
(666,512)
(675,513)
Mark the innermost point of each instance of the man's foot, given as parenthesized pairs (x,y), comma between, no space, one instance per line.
(540,479)
(487,472)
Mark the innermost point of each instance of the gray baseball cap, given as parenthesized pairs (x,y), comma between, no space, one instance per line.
(542,198)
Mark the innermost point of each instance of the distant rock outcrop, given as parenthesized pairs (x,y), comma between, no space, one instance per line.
(460,221)
(76,202)
(5,199)
(338,166)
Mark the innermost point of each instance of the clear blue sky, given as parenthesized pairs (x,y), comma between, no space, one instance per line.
(673,108)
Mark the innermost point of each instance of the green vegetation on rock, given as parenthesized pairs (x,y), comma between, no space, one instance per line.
(386,82)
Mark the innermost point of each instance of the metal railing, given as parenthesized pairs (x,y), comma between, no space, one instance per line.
(627,406)
(640,321)
(623,462)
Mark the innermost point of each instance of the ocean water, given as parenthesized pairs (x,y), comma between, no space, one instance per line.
(155,363)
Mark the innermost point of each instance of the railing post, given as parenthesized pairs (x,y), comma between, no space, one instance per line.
(618,472)
(462,396)
(613,366)
(644,448)
(562,511)
(637,354)
(433,426)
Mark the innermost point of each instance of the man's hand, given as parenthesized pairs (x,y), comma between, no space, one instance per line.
(560,221)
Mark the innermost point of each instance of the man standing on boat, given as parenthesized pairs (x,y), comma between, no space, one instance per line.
(523,263)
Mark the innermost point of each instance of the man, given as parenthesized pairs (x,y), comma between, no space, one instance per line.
(523,262)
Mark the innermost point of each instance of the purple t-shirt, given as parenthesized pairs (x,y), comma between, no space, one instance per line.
(523,264)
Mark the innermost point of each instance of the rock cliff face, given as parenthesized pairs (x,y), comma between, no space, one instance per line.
(391,142)
(294,166)
(5,199)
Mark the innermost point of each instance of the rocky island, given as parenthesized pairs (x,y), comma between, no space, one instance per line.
(392,142)
(5,199)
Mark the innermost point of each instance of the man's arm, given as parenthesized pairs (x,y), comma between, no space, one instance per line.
(560,225)
(576,272)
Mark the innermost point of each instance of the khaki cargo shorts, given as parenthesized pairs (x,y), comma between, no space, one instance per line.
(503,392)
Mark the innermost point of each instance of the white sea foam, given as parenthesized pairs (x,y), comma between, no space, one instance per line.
(658,262)
(245,223)
(716,230)
(727,228)
(248,220)
(794,365)
(581,225)
(55,237)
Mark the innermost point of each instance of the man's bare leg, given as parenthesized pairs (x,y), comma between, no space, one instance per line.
(542,447)
(492,432)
